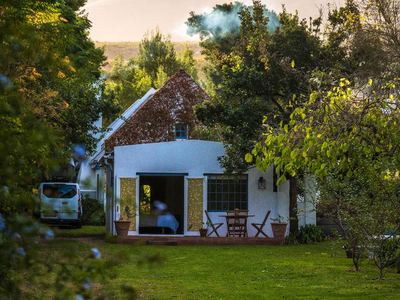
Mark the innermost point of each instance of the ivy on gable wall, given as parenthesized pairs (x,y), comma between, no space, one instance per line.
(155,120)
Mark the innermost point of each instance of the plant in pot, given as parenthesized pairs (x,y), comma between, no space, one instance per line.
(121,225)
(278,227)
(204,229)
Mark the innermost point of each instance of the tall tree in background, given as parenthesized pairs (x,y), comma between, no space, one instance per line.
(157,50)
(259,79)
(156,62)
(127,82)
(368,33)
(186,61)
(219,32)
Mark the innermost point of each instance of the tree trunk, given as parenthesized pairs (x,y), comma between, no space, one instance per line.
(294,221)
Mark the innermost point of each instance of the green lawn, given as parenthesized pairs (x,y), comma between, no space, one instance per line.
(69,231)
(319,271)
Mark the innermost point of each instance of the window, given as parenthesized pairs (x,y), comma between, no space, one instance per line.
(181,131)
(64,191)
(226,192)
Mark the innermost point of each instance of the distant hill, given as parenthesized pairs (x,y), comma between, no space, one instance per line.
(128,49)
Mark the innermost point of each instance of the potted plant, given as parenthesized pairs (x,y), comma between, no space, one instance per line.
(121,225)
(278,227)
(204,229)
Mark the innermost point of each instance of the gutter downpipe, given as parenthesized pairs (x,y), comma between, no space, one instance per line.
(109,199)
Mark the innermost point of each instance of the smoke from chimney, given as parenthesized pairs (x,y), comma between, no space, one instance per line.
(223,22)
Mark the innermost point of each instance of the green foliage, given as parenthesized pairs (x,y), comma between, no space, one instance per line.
(219,32)
(346,140)
(157,50)
(187,62)
(155,63)
(162,77)
(49,82)
(98,218)
(307,234)
(126,83)
(336,132)
(93,212)
(206,224)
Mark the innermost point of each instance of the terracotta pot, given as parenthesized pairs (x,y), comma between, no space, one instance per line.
(122,227)
(279,229)
(203,231)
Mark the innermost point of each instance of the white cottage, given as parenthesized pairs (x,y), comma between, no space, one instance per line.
(187,177)
(158,165)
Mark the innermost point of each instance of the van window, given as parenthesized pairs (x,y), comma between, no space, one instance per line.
(59,190)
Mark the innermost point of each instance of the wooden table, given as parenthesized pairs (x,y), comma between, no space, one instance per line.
(236,224)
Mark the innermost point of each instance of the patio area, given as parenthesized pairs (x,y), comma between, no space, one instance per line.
(180,240)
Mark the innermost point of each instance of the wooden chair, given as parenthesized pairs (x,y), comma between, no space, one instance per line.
(218,225)
(237,222)
(260,226)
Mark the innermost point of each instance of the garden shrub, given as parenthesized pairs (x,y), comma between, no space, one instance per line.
(307,234)
(93,212)
(98,218)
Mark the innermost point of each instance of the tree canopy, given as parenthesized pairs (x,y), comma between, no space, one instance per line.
(219,32)
(156,62)
(49,101)
(347,136)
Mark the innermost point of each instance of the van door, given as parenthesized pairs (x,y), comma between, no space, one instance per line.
(60,201)
(50,204)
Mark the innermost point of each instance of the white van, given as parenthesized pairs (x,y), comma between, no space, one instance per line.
(61,203)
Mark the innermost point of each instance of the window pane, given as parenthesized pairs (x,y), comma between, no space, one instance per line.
(227,193)
(211,197)
(212,188)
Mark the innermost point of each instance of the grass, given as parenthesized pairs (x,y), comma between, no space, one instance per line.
(318,271)
(67,231)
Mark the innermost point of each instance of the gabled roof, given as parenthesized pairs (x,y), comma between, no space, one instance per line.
(114,126)
(155,120)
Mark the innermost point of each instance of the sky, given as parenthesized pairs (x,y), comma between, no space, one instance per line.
(128,20)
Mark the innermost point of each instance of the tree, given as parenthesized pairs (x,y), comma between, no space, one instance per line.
(157,50)
(161,78)
(351,137)
(48,85)
(219,32)
(156,62)
(186,61)
(260,79)
(364,35)
(127,82)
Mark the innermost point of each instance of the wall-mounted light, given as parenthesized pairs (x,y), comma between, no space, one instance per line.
(262,183)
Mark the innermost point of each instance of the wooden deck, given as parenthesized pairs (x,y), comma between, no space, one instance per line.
(173,240)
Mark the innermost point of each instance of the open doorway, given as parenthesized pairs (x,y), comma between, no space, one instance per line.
(161,202)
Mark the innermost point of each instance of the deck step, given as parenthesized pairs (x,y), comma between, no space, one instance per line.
(162,243)
(171,240)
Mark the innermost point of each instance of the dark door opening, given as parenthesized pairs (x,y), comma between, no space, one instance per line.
(165,189)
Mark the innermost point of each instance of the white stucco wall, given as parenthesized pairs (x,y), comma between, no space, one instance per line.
(306,205)
(188,156)
(197,158)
